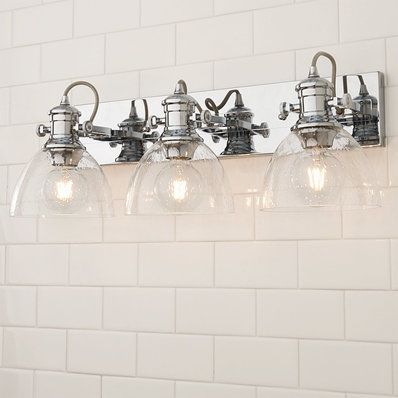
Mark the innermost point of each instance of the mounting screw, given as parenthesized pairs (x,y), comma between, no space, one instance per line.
(42,130)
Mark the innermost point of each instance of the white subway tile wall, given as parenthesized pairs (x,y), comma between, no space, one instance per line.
(246,305)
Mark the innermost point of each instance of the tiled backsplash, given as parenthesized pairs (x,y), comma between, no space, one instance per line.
(247,305)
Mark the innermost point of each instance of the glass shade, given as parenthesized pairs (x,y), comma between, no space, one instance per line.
(47,190)
(179,177)
(329,178)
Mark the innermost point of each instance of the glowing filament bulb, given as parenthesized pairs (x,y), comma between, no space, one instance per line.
(179,190)
(179,186)
(64,190)
(317,176)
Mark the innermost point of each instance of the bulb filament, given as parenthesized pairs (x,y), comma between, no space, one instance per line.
(317,177)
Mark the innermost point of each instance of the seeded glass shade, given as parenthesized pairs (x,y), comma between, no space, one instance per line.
(163,184)
(47,190)
(328,178)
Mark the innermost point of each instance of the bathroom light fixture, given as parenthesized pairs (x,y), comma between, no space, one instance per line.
(63,178)
(179,173)
(319,164)
(236,126)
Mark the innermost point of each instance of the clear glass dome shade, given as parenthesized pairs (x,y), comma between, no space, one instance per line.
(48,190)
(336,177)
(179,177)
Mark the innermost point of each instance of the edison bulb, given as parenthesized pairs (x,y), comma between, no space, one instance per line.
(179,186)
(317,177)
(65,190)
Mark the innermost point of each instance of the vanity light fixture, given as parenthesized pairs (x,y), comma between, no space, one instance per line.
(63,178)
(319,164)
(179,173)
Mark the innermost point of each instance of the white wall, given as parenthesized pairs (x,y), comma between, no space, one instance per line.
(247,305)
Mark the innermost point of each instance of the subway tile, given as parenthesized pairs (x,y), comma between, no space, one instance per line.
(70,230)
(1,346)
(391,128)
(16,229)
(213,390)
(365,396)
(216,311)
(2,265)
(259,361)
(232,226)
(392,148)
(126,228)
(285,19)
(19,66)
(245,177)
(392,59)
(4,184)
(110,353)
(35,265)
(69,307)
(154,12)
(115,264)
(14,171)
(113,87)
(371,316)
(36,100)
(347,63)
(5,29)
(73,58)
(250,71)
(395,373)
(176,264)
(14,4)
(171,356)
(12,152)
(302,314)
(140,309)
(49,22)
(214,43)
(152,47)
(34,348)
(373,223)
(161,81)
(107,17)
(365,19)
(256,264)
(394,263)
(228,6)
(16,383)
(266,392)
(124,387)
(119,178)
(345,366)
(344,264)
(4,106)
(18,306)
(314,224)
(67,385)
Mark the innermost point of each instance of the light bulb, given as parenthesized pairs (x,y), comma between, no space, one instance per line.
(65,190)
(179,186)
(317,177)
